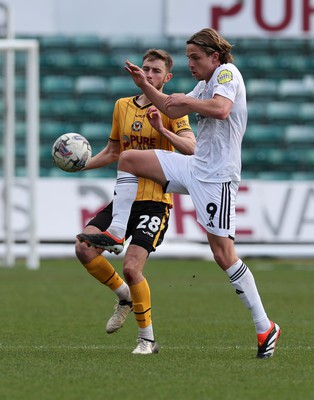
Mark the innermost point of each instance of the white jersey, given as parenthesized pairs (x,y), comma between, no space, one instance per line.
(218,145)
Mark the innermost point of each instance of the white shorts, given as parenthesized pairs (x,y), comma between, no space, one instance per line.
(214,202)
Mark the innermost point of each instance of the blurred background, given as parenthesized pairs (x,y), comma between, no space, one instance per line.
(82,46)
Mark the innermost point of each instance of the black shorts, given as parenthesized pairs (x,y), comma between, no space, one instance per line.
(147,224)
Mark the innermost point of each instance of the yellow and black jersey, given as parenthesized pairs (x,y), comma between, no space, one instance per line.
(132,129)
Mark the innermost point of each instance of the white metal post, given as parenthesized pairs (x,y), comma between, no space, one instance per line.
(9,144)
(32,116)
(32,113)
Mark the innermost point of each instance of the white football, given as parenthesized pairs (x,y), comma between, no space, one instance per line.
(71,152)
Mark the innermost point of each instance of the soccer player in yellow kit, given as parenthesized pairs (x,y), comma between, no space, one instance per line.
(149,217)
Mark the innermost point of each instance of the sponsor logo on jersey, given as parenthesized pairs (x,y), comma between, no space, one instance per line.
(224,76)
(138,142)
(182,124)
(140,115)
(126,141)
(148,233)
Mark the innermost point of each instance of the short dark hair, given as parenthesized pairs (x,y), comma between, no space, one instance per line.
(211,41)
(158,54)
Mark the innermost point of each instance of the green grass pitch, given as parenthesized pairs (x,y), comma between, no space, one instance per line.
(53,345)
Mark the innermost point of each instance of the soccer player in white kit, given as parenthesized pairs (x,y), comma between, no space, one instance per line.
(211,176)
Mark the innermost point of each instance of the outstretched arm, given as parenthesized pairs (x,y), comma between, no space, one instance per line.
(105,157)
(184,141)
(178,104)
(155,96)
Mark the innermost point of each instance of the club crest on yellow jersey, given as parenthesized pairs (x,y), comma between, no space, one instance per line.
(137,126)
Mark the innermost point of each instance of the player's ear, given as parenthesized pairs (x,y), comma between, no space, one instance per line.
(168,77)
(216,56)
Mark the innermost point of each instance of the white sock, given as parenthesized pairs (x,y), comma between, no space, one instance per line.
(124,194)
(123,292)
(243,282)
(146,333)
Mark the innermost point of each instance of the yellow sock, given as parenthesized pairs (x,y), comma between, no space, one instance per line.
(103,271)
(141,303)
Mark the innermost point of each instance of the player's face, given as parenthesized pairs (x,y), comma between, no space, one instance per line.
(156,73)
(201,65)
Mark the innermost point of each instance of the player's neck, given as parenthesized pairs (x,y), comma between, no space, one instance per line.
(142,100)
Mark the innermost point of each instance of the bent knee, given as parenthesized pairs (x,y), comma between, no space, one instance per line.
(84,253)
(129,161)
(132,273)
(125,160)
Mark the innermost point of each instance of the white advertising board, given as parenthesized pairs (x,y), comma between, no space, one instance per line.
(235,18)
(232,18)
(267,212)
